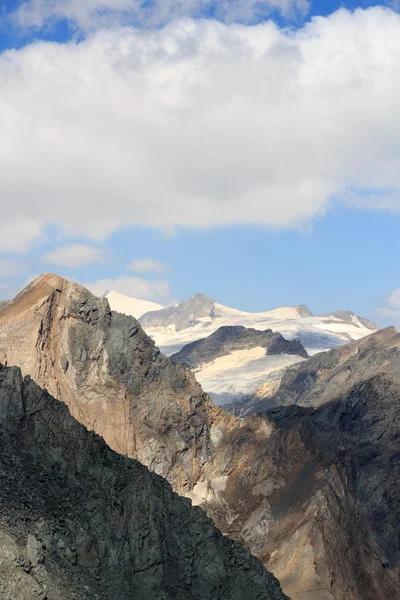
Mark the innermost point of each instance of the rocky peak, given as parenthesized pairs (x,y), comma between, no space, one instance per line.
(304,311)
(349,316)
(183,315)
(111,376)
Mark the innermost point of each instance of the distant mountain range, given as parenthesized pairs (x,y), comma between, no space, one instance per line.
(223,346)
(197,317)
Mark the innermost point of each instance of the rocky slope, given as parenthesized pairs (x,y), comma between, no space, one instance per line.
(305,506)
(328,374)
(79,521)
(233,362)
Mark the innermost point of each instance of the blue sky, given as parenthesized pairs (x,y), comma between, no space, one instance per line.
(257,164)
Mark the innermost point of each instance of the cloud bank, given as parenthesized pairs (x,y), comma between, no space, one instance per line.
(200,124)
(74,255)
(92,14)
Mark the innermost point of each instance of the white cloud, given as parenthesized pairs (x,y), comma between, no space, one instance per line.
(17,234)
(10,268)
(394,300)
(390,312)
(148,265)
(157,290)
(201,124)
(74,255)
(92,14)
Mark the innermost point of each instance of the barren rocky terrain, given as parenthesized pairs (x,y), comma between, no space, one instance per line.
(78,520)
(313,492)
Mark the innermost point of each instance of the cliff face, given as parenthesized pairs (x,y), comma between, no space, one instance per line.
(303,501)
(111,376)
(315,493)
(78,520)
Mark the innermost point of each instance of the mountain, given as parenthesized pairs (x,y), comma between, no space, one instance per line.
(324,376)
(79,521)
(198,317)
(233,362)
(312,492)
(110,375)
(130,306)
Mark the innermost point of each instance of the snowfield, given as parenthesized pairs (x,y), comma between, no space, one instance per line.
(130,306)
(241,373)
(316,333)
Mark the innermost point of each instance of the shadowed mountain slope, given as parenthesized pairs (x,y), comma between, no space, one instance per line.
(78,520)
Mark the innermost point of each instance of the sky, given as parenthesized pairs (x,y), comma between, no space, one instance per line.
(246,150)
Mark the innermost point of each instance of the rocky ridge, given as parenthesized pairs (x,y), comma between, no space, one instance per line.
(329,374)
(229,338)
(200,316)
(79,520)
(263,479)
(186,314)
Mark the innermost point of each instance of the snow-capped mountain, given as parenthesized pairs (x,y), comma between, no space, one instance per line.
(235,373)
(130,306)
(198,317)
(233,363)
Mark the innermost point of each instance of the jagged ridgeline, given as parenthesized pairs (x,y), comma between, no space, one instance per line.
(313,492)
(78,520)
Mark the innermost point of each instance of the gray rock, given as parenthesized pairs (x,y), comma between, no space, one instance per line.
(185,314)
(228,339)
(100,522)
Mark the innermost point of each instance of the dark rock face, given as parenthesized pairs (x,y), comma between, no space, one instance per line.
(327,375)
(78,520)
(228,339)
(185,314)
(325,484)
(360,434)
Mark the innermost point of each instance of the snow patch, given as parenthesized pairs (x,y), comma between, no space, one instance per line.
(133,307)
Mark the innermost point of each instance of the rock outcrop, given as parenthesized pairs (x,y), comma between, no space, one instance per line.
(301,487)
(78,520)
(110,375)
(186,314)
(228,339)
